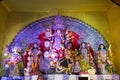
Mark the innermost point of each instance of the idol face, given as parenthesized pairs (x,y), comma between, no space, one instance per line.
(102,46)
(76,63)
(69,46)
(83,45)
(35,45)
(58,31)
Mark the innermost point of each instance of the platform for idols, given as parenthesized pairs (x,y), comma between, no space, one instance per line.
(64,77)
(56,46)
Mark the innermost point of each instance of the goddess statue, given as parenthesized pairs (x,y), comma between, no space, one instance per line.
(102,58)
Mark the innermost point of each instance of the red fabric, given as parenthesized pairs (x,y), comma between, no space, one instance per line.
(42,40)
(91,51)
(75,40)
(25,59)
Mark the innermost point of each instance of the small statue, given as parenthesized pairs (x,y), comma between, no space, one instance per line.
(76,68)
(35,50)
(14,62)
(102,58)
(84,51)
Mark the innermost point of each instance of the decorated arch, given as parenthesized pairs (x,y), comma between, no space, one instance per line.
(82,32)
